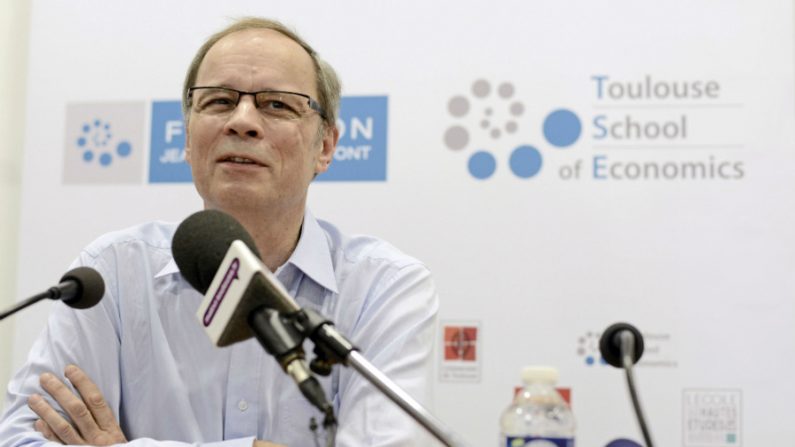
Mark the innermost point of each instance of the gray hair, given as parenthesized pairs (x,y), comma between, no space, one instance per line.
(326,80)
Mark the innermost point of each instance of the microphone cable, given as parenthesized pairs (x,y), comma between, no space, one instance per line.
(627,348)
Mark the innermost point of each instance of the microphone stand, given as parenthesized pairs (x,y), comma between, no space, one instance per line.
(627,348)
(23,304)
(53,293)
(331,347)
(621,345)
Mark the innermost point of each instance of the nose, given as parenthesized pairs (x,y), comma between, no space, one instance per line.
(245,120)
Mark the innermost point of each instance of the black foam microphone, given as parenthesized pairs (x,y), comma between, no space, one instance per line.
(218,257)
(621,345)
(610,344)
(79,288)
(201,242)
(210,241)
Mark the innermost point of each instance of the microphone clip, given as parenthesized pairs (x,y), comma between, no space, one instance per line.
(278,334)
(331,348)
(283,338)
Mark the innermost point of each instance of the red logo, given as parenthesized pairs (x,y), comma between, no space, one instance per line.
(460,343)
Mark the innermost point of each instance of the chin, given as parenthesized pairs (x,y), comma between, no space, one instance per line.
(234,198)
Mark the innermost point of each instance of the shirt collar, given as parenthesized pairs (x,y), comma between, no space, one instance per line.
(311,256)
(169,269)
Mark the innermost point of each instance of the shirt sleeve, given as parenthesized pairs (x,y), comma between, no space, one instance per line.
(395,331)
(87,338)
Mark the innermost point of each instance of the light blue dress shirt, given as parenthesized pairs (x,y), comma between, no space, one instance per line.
(169,386)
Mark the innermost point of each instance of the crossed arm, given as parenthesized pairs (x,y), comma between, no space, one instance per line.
(93,414)
(93,422)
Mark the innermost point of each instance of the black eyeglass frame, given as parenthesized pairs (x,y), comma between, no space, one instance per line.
(313,104)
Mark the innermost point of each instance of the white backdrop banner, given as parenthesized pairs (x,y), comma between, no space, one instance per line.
(558,165)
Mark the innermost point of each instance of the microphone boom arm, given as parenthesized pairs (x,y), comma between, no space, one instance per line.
(65,288)
(23,304)
(338,349)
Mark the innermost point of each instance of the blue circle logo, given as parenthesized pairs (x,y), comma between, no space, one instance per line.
(494,115)
(95,142)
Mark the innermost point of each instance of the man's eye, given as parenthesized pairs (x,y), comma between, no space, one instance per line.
(275,105)
(220,101)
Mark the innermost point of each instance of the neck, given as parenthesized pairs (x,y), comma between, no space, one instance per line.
(275,232)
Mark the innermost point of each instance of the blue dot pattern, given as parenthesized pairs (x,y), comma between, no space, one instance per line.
(97,135)
(561,128)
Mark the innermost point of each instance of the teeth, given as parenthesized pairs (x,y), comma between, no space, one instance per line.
(240,160)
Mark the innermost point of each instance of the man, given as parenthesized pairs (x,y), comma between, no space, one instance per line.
(260,111)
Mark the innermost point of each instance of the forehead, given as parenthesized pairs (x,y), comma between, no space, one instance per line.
(257,59)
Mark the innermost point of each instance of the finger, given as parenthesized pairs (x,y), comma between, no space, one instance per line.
(92,397)
(61,428)
(73,405)
(45,430)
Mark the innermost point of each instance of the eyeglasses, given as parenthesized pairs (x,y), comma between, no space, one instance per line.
(271,103)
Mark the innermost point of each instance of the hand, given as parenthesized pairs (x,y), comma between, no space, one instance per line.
(94,422)
(258,443)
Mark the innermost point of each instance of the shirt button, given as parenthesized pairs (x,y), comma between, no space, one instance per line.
(242,405)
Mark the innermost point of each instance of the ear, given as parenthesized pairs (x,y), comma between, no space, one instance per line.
(328,145)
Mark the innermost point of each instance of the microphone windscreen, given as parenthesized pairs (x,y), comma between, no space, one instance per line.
(610,343)
(201,242)
(90,287)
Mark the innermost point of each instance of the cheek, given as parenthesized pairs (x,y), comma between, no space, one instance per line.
(294,150)
(196,143)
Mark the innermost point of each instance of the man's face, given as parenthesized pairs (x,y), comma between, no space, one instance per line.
(245,160)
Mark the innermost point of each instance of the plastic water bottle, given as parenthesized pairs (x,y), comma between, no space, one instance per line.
(538,416)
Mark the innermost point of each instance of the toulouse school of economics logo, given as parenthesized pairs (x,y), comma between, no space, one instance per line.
(488,116)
